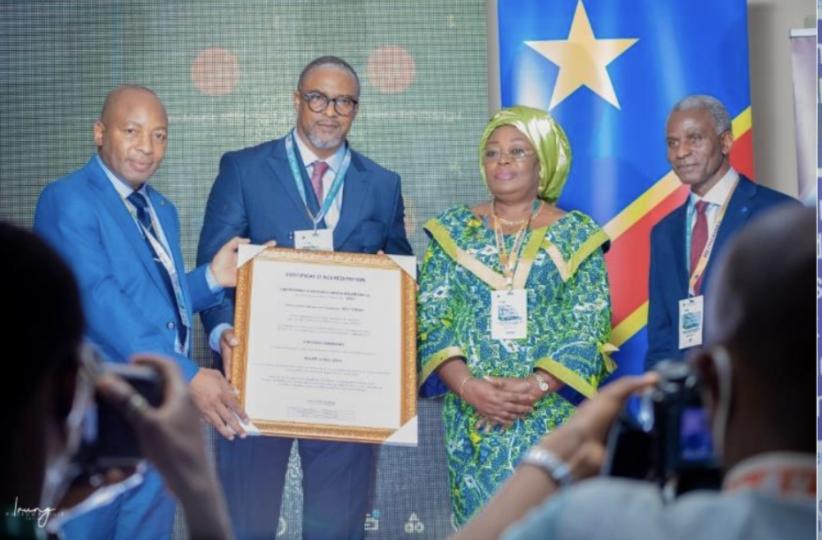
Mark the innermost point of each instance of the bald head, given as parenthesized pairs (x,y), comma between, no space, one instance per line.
(131,133)
(124,92)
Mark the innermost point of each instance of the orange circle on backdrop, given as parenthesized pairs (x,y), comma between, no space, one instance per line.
(391,69)
(215,72)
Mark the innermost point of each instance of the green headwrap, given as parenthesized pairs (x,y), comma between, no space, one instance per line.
(547,138)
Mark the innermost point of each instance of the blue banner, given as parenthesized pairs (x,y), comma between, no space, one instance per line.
(610,73)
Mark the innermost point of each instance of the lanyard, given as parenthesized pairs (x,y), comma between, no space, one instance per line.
(298,180)
(164,257)
(159,250)
(510,261)
(696,272)
(155,243)
(168,264)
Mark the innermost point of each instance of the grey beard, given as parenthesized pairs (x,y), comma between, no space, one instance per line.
(324,143)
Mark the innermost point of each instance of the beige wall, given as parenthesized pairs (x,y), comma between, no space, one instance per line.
(769,26)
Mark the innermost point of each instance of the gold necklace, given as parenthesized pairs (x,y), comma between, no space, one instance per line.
(510,260)
(517,222)
(508,222)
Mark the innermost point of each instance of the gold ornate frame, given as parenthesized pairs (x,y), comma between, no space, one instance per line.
(408,321)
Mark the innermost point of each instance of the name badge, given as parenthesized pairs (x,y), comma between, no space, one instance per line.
(690,321)
(314,240)
(509,314)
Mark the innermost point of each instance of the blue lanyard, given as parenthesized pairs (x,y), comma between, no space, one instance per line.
(335,186)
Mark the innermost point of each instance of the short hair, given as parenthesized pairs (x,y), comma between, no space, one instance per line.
(762,306)
(112,95)
(46,326)
(722,120)
(325,61)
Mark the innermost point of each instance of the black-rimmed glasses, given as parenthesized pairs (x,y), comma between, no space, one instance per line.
(318,102)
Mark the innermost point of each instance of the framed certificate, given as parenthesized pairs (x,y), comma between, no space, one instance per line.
(327,344)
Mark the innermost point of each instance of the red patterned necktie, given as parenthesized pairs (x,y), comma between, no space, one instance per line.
(699,237)
(317,179)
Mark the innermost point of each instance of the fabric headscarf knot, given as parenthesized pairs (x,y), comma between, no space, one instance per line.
(548,139)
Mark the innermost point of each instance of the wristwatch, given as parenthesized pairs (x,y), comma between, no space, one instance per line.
(542,384)
(548,462)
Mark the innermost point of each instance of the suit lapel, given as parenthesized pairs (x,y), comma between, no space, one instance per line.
(735,217)
(165,214)
(355,193)
(111,200)
(278,161)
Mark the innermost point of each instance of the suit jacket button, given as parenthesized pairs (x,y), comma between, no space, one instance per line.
(170,325)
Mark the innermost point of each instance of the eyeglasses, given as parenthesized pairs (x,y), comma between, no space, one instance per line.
(318,102)
(514,154)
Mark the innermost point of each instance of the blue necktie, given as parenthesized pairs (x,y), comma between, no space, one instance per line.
(140,203)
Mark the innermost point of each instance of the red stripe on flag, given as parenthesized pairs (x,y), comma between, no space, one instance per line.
(629,259)
(742,154)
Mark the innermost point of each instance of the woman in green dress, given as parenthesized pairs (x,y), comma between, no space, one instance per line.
(513,306)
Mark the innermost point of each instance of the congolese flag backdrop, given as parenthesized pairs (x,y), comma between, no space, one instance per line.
(610,73)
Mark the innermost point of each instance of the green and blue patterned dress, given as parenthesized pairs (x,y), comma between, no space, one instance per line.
(569,324)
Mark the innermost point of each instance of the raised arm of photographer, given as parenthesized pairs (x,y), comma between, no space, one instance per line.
(580,443)
(172,438)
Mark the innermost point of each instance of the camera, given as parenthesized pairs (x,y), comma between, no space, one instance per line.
(108,439)
(669,439)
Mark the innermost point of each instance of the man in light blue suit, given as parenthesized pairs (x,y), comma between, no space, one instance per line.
(121,239)
(278,191)
(685,243)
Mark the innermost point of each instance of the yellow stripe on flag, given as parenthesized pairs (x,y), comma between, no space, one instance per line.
(641,206)
(630,325)
(742,123)
(663,187)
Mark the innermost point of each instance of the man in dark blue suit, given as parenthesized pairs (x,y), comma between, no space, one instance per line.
(121,238)
(278,191)
(685,243)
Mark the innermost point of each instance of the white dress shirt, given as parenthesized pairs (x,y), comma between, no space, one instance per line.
(715,198)
(334,164)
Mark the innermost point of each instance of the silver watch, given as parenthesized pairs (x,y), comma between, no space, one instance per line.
(557,470)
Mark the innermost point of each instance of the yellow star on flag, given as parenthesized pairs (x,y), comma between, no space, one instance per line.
(582,59)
